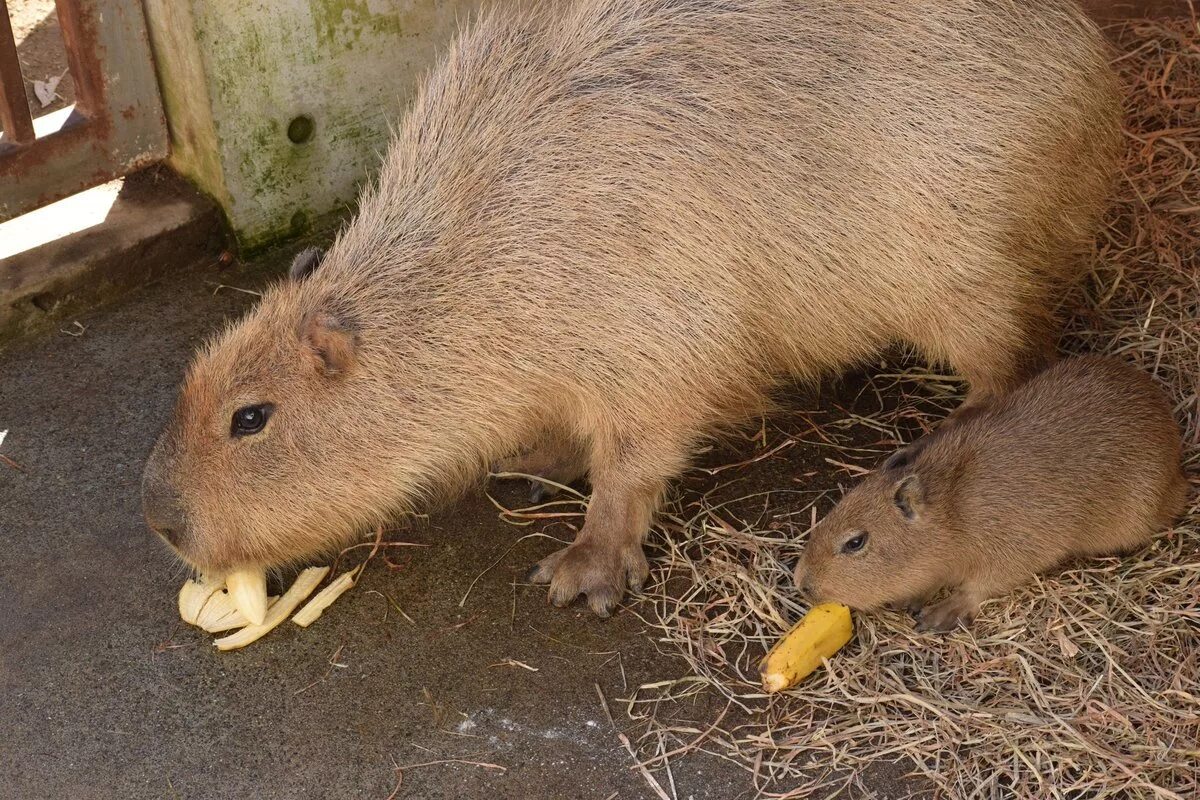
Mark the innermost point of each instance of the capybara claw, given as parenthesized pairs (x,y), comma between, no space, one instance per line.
(597,572)
(603,603)
(543,571)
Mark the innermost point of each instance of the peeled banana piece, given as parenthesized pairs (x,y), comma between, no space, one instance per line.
(824,630)
(238,599)
(324,598)
(220,614)
(195,594)
(248,591)
(306,581)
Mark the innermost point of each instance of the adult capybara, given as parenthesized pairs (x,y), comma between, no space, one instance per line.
(607,228)
(1082,460)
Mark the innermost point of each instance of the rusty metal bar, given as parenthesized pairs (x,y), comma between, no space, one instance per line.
(14,105)
(80,41)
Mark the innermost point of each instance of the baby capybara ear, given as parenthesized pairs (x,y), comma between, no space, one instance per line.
(910,496)
(331,342)
(305,263)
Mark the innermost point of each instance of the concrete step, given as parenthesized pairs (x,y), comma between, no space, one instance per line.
(94,246)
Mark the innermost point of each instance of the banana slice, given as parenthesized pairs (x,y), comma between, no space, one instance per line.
(306,581)
(324,598)
(195,594)
(220,614)
(248,590)
(823,631)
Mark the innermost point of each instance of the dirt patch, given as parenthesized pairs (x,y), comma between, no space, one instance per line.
(42,56)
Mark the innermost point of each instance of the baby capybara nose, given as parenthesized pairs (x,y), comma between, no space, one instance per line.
(803,582)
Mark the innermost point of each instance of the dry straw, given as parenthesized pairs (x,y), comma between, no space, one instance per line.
(1086,683)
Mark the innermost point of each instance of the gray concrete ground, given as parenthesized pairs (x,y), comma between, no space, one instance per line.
(105,694)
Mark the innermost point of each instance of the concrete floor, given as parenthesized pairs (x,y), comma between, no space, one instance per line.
(105,694)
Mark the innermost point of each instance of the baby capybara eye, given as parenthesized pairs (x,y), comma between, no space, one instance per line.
(855,543)
(250,420)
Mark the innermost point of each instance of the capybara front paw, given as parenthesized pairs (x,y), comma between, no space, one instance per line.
(946,616)
(598,572)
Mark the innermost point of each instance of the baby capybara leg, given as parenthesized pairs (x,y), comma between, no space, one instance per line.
(913,604)
(959,608)
(962,605)
(560,460)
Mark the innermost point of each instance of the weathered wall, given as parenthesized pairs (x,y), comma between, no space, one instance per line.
(279,108)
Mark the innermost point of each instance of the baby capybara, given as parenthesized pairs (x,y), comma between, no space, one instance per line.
(607,228)
(1083,460)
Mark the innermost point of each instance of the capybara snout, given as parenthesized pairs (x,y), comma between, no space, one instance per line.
(161,504)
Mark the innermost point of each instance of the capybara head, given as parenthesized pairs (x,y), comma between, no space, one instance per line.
(874,547)
(257,465)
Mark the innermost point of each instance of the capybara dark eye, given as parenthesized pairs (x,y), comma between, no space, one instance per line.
(855,544)
(250,420)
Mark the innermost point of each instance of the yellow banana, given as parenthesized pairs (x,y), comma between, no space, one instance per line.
(823,631)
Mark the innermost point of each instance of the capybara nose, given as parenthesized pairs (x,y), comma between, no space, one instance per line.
(171,534)
(163,508)
(803,581)
(165,519)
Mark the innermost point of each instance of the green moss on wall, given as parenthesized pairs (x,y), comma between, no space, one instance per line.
(253,68)
(340,24)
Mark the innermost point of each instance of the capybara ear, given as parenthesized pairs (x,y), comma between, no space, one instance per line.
(910,496)
(305,263)
(331,341)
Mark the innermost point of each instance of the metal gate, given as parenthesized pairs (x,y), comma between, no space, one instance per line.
(115,126)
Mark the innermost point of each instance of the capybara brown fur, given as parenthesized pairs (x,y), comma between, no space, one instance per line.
(608,228)
(1083,460)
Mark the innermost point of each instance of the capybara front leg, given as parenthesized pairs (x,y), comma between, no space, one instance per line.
(962,605)
(606,557)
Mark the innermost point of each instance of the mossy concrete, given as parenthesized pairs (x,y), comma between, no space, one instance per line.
(235,76)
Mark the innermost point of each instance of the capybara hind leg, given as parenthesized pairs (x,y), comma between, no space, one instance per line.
(559,461)
(606,557)
(994,359)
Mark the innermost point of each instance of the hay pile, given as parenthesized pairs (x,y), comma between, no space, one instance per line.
(1083,684)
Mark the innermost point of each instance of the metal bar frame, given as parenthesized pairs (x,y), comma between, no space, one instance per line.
(115,126)
(15,118)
